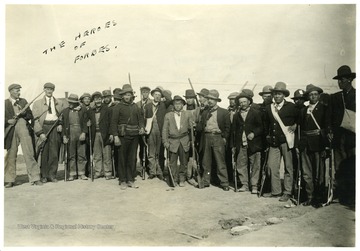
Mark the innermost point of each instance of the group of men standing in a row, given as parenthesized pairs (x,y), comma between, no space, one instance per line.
(107,133)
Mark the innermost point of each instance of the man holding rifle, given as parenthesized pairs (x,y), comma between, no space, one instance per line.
(17,118)
(48,110)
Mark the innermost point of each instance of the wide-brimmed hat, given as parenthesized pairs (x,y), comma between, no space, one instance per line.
(73,98)
(106,93)
(49,85)
(126,89)
(311,88)
(233,95)
(203,92)
(85,95)
(344,71)
(266,90)
(177,97)
(280,87)
(190,93)
(246,93)
(145,88)
(213,94)
(14,86)
(157,89)
(95,94)
(117,90)
(299,94)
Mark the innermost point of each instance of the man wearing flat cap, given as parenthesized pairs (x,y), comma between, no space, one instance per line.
(246,141)
(47,112)
(343,105)
(315,129)
(281,124)
(107,98)
(175,136)
(214,128)
(18,133)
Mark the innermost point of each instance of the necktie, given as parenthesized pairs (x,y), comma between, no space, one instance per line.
(49,107)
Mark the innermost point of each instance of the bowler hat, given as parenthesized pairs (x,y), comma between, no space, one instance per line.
(265,90)
(157,89)
(96,94)
(190,93)
(344,71)
(73,98)
(311,88)
(85,95)
(177,97)
(127,89)
(246,93)
(233,95)
(213,94)
(280,87)
(49,85)
(144,88)
(14,86)
(299,94)
(117,91)
(106,93)
(203,92)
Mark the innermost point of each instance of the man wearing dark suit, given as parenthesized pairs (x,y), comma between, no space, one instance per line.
(281,141)
(214,127)
(247,130)
(19,134)
(314,124)
(175,136)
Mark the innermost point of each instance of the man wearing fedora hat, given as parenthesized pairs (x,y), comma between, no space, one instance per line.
(190,99)
(85,100)
(214,127)
(299,99)
(107,97)
(126,125)
(246,142)
(175,136)
(74,134)
(48,112)
(315,126)
(19,134)
(100,117)
(344,142)
(281,124)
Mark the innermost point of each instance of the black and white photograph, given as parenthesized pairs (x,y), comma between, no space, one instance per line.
(185,124)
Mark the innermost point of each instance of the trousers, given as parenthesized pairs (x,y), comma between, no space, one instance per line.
(246,164)
(127,157)
(102,157)
(179,172)
(77,152)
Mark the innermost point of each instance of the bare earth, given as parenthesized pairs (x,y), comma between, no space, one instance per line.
(85,213)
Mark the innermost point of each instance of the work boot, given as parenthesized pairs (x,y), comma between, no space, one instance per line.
(244,189)
(71,178)
(123,185)
(254,191)
(9,184)
(83,177)
(132,184)
(285,197)
(43,180)
(181,184)
(37,183)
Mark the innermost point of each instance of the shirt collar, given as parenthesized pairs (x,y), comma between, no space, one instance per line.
(279,106)
(13,100)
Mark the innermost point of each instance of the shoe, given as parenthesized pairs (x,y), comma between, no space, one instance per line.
(226,188)
(181,184)
(83,177)
(192,182)
(43,180)
(254,191)
(108,177)
(71,178)
(9,184)
(270,195)
(37,183)
(243,189)
(95,176)
(160,177)
(307,203)
(204,186)
(54,180)
(132,185)
(151,176)
(285,197)
(123,186)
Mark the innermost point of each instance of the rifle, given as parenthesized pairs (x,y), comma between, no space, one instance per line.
(16,117)
(143,170)
(91,156)
(129,78)
(330,194)
(299,172)
(254,87)
(264,171)
(168,165)
(235,171)
(196,164)
(112,160)
(66,160)
(197,101)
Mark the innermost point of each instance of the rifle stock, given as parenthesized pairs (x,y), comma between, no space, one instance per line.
(169,167)
(264,170)
(196,163)
(91,156)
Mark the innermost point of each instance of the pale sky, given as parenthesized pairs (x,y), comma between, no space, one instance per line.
(216,46)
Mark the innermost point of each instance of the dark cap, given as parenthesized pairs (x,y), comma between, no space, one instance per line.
(14,86)
(49,85)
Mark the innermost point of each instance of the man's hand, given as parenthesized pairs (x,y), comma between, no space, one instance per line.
(292,128)
(111,138)
(224,140)
(82,136)
(330,137)
(233,150)
(117,141)
(88,123)
(42,137)
(142,131)
(65,140)
(12,121)
(167,145)
(250,136)
(59,128)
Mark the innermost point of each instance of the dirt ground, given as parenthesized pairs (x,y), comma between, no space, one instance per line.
(85,213)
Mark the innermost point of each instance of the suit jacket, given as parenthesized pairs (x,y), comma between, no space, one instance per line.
(252,124)
(104,123)
(160,114)
(223,120)
(39,107)
(10,114)
(83,116)
(174,136)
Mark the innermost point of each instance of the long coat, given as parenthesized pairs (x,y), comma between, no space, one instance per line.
(252,124)
(104,123)
(160,114)
(174,136)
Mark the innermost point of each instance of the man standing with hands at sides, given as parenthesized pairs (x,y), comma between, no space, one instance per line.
(48,110)
(215,128)
(19,134)
(175,136)
(126,125)
(281,124)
